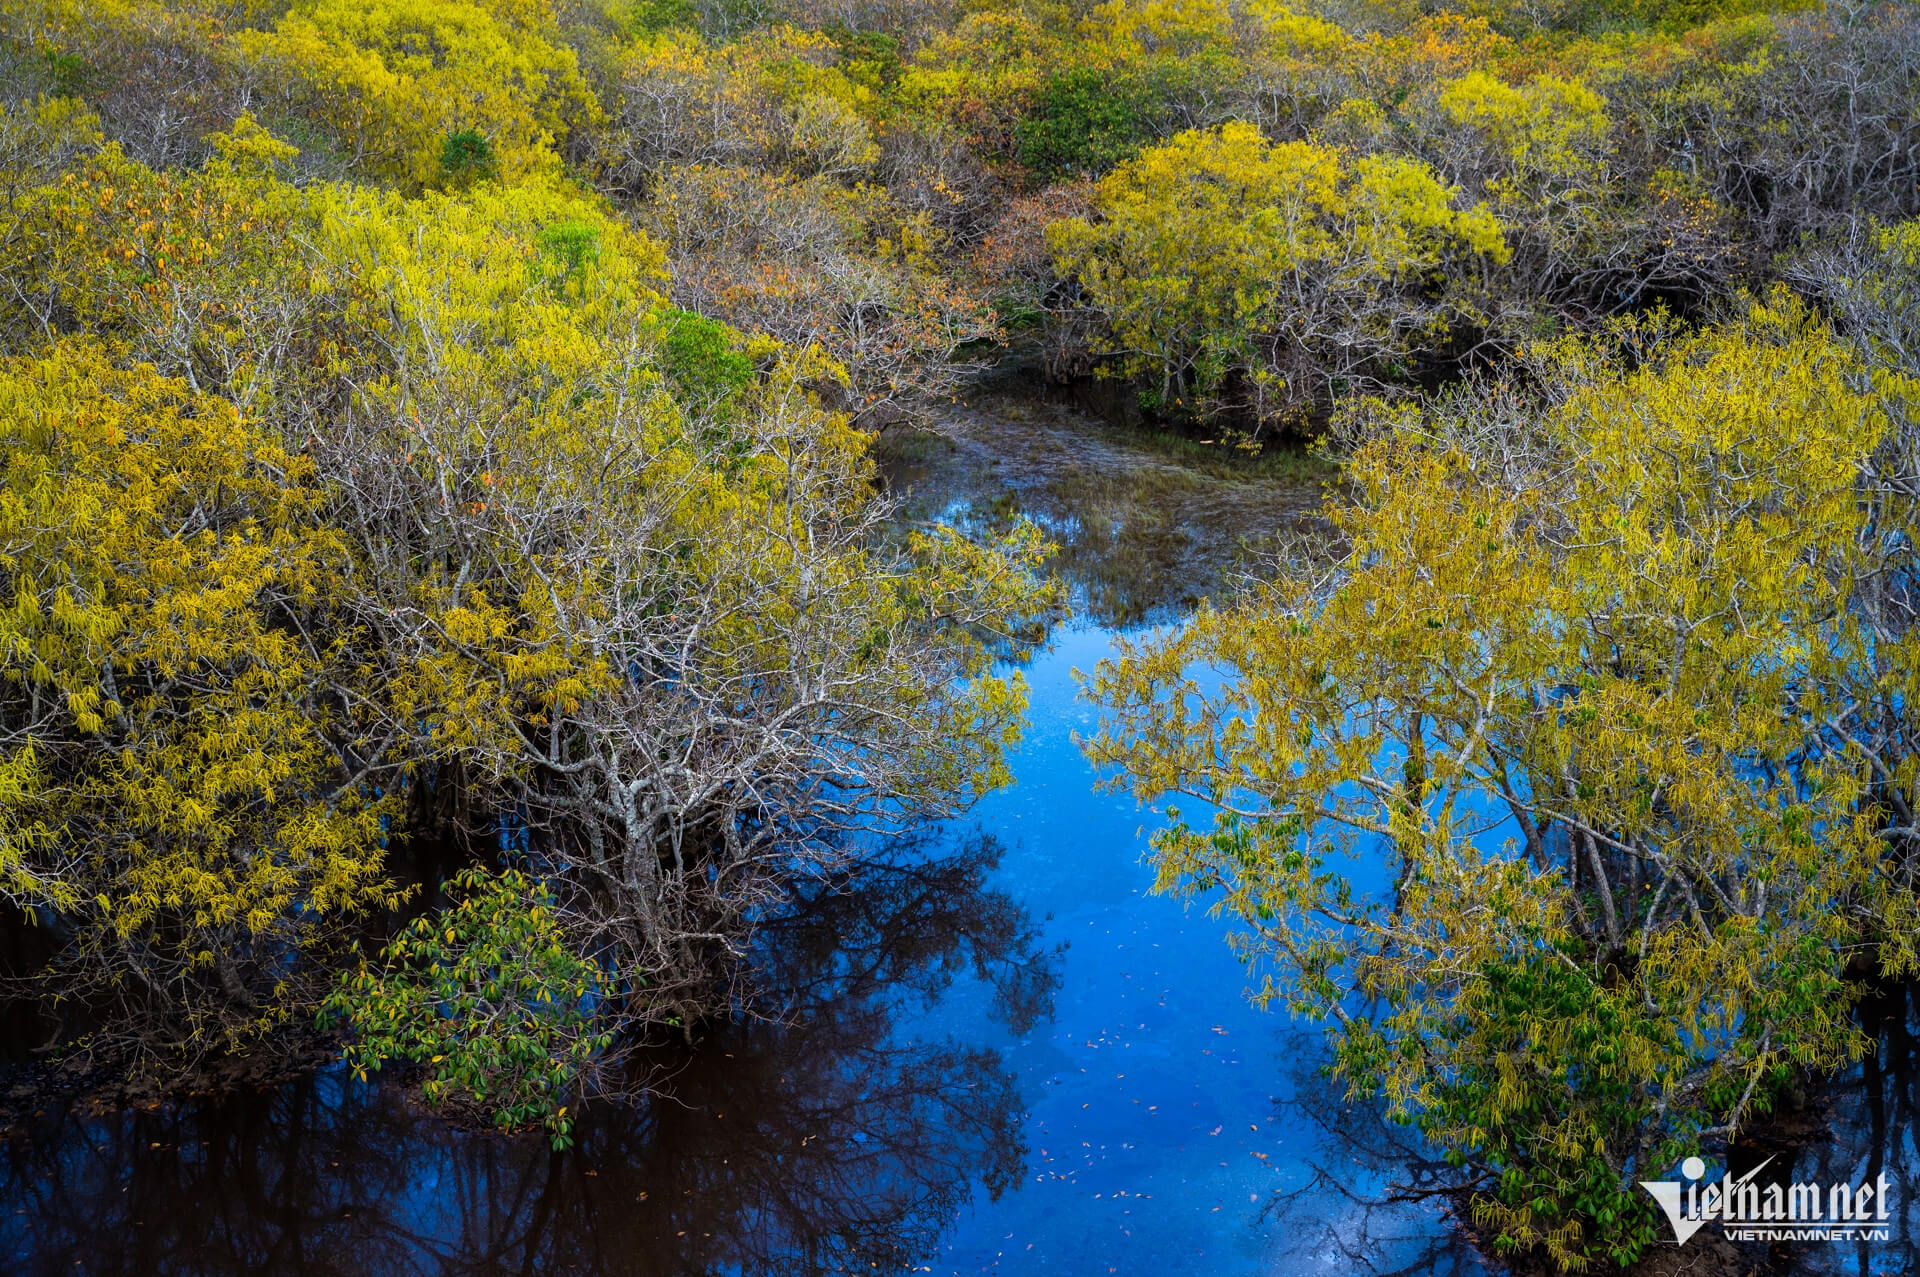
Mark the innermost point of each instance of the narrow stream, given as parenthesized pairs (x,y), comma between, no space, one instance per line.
(1172,1128)
(993,1050)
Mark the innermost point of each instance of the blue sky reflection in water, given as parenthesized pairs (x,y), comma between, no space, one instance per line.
(912,1107)
(991,1051)
(1177,1130)
(1166,1116)
(1145,1128)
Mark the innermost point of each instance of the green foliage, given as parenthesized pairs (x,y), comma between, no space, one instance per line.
(651,17)
(1086,120)
(466,156)
(567,251)
(1621,616)
(704,360)
(489,997)
(868,58)
(66,72)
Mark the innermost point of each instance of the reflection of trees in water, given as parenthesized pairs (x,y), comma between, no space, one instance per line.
(1874,1107)
(1368,1205)
(1143,534)
(1142,545)
(1391,1180)
(804,1141)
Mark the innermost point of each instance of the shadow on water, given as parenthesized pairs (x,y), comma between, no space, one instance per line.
(1869,1130)
(907,1069)
(808,1140)
(1387,1179)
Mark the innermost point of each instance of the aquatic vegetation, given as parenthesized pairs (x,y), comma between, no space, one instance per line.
(352,518)
(445,434)
(1599,670)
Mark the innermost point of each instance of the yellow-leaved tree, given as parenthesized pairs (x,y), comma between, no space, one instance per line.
(1543,789)
(1229,271)
(552,569)
(424,92)
(634,587)
(184,759)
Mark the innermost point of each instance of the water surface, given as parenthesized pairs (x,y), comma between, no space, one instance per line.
(990,1049)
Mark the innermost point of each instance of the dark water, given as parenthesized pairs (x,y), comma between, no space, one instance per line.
(989,1051)
(1147,525)
(1867,1128)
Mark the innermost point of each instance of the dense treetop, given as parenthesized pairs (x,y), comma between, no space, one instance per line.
(447,424)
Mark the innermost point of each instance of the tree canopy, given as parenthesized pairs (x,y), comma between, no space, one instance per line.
(449,428)
(1543,786)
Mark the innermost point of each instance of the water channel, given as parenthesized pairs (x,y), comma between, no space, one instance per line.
(993,1050)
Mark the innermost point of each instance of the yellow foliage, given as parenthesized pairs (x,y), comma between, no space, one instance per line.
(1134,28)
(1612,626)
(164,569)
(1220,241)
(1300,34)
(1548,125)
(395,78)
(251,148)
